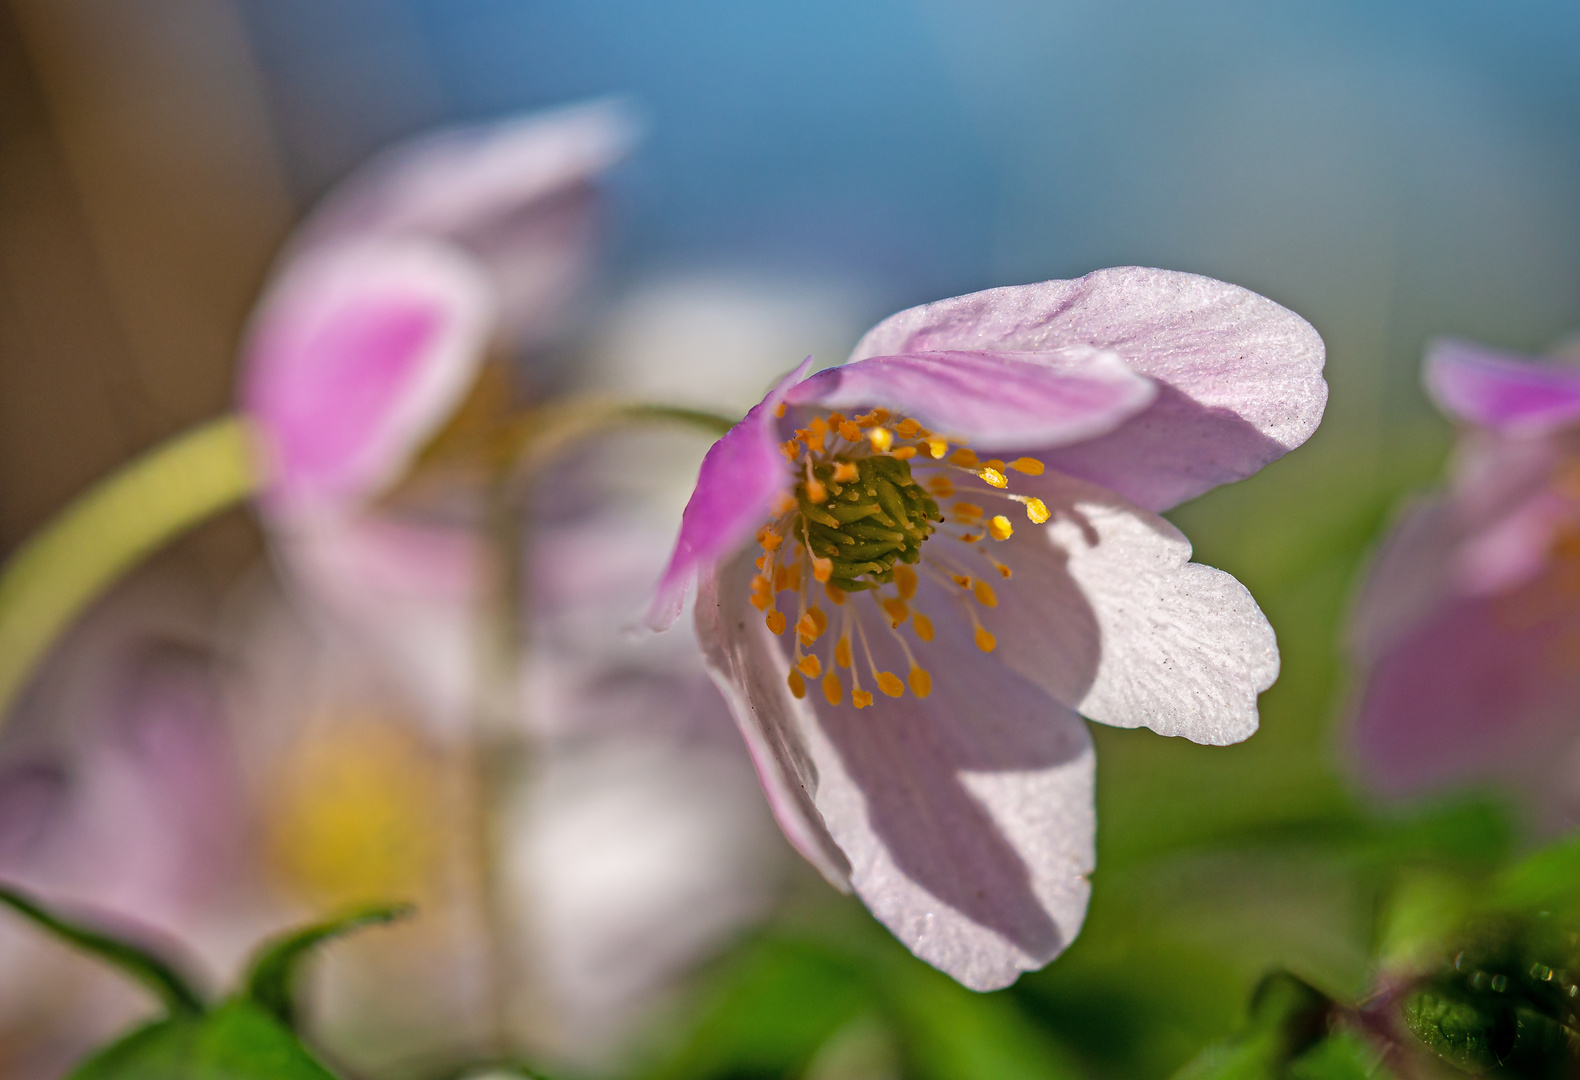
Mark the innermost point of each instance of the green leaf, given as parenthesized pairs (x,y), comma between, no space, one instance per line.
(110,528)
(237,1041)
(770,1012)
(1288,1017)
(1345,1055)
(951,1033)
(272,975)
(142,965)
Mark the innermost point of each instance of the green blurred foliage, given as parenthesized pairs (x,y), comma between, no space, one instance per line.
(248,1036)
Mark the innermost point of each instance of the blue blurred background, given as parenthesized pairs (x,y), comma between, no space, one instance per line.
(1391,171)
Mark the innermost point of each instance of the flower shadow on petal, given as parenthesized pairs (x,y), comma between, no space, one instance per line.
(912,759)
(1174,450)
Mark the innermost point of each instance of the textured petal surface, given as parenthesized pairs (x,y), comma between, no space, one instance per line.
(749,668)
(995,399)
(354,358)
(1501,390)
(1240,378)
(966,818)
(1108,613)
(736,486)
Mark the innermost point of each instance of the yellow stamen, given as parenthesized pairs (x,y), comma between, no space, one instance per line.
(816,492)
(922,625)
(860,698)
(890,684)
(1028,465)
(784,502)
(1000,528)
(809,666)
(908,428)
(797,684)
(779,410)
(905,580)
(776,622)
(896,609)
(995,463)
(844,472)
(1003,571)
(811,626)
(905,453)
(762,598)
(835,594)
(993,478)
(761,562)
(815,433)
(921,682)
(986,641)
(1036,509)
(937,447)
(833,689)
(984,593)
(964,457)
(791,449)
(849,432)
(822,569)
(769,539)
(941,486)
(842,655)
(961,580)
(881,438)
(969,511)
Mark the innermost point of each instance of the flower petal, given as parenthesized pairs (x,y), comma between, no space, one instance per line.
(749,668)
(1179,647)
(1483,688)
(1240,377)
(1501,390)
(967,818)
(996,399)
(735,490)
(460,178)
(355,357)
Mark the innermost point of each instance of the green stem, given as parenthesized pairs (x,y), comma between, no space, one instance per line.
(110,528)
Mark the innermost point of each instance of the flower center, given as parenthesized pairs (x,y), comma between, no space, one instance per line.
(865,506)
(876,516)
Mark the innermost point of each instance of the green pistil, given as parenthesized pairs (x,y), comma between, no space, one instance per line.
(868,524)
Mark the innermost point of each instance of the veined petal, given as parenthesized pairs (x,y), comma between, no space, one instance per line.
(355,357)
(1179,647)
(459,178)
(967,816)
(735,490)
(1240,378)
(964,821)
(1501,390)
(996,399)
(749,668)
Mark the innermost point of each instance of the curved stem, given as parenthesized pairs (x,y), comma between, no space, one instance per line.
(107,530)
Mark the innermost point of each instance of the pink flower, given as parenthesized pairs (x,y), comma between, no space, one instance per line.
(907,644)
(385,303)
(1467,632)
(383,311)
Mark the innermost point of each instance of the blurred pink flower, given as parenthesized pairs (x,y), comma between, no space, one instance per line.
(1467,631)
(383,306)
(957,803)
(118,796)
(381,315)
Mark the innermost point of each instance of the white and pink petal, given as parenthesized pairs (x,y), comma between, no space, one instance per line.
(1108,614)
(1240,377)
